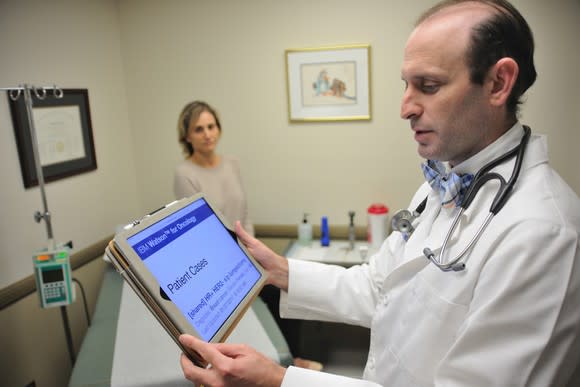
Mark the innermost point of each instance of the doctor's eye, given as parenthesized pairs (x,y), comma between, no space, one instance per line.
(429,87)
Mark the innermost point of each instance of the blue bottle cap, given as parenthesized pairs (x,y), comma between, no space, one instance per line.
(324,232)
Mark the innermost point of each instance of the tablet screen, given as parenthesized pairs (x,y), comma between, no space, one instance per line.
(198,264)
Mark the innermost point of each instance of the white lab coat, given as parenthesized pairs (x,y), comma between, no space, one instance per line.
(511,318)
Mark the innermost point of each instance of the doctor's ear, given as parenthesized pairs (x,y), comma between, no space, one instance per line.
(501,78)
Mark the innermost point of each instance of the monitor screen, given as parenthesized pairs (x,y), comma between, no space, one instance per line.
(52,275)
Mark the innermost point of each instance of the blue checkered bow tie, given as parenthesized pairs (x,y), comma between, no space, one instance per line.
(451,186)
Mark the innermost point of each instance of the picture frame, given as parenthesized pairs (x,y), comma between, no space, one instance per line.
(64,135)
(329,83)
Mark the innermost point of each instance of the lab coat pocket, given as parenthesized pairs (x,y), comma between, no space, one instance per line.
(424,329)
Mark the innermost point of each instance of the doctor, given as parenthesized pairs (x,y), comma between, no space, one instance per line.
(511,316)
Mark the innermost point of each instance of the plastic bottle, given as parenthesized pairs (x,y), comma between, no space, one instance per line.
(377,225)
(304,231)
(324,232)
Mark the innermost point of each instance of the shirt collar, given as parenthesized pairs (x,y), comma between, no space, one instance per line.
(507,141)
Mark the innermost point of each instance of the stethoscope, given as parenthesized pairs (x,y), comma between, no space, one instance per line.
(403,220)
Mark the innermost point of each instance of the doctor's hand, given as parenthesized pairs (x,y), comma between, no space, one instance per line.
(275,265)
(231,365)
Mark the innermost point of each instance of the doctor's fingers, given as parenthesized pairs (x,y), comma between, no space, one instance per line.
(276,265)
(208,351)
(247,239)
(206,376)
(258,250)
(197,375)
(247,367)
(236,350)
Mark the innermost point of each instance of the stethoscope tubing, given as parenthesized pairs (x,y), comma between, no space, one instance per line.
(481,177)
(455,265)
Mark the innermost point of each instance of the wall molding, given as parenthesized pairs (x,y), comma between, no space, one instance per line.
(18,290)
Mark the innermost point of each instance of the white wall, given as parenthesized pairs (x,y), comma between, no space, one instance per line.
(74,44)
(142,60)
(553,105)
(231,53)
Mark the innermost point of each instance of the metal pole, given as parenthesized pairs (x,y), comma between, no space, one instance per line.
(39,175)
(67,334)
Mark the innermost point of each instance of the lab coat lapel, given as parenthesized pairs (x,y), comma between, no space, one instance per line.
(429,231)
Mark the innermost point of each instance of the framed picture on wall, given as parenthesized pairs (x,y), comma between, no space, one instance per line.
(63,131)
(329,83)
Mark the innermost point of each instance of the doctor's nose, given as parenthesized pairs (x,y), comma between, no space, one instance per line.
(409,107)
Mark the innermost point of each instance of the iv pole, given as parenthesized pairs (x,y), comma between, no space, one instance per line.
(41,93)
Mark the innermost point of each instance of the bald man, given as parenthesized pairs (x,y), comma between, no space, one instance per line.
(505,313)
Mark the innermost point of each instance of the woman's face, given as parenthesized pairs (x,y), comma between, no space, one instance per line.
(203,134)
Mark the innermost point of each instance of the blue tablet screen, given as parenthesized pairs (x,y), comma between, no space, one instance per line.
(198,264)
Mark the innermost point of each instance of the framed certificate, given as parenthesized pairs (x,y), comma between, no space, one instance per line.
(64,135)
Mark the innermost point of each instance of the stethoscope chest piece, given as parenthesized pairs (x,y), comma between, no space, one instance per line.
(403,222)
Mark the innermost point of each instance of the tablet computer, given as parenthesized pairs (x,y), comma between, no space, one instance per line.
(189,269)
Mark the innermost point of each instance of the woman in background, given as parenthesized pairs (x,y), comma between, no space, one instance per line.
(218,177)
(203,170)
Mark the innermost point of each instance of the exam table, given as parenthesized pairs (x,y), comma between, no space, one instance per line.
(125,346)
